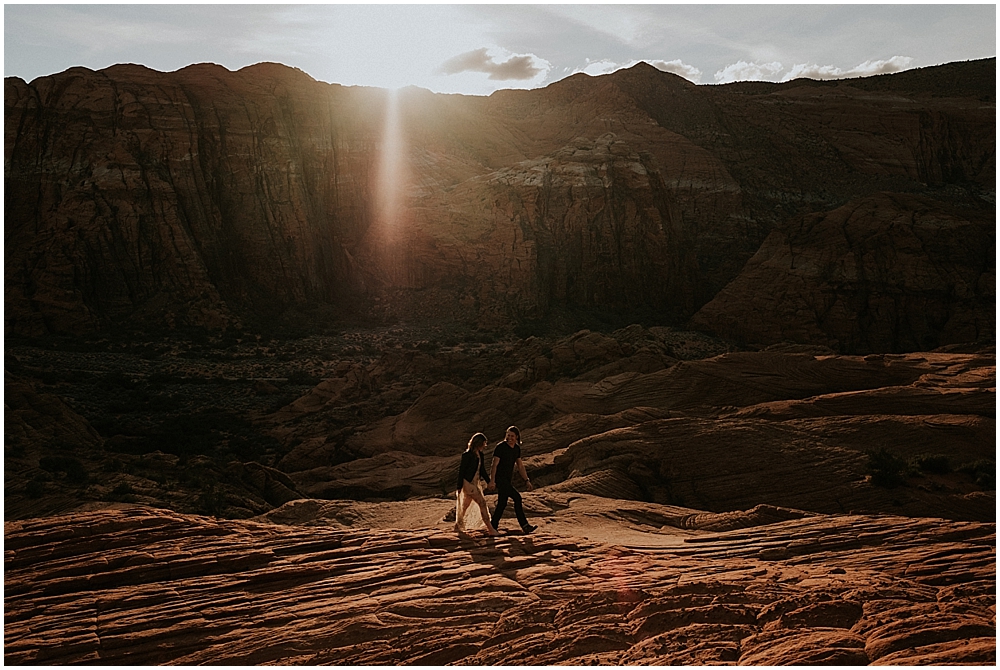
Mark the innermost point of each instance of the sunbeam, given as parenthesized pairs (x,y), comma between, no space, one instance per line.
(390,192)
(391,167)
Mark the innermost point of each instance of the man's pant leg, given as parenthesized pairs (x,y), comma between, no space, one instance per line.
(502,494)
(518,507)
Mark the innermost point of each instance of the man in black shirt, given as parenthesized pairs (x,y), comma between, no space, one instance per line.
(506,457)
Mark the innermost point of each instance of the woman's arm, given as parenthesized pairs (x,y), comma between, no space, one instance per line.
(493,473)
(485,476)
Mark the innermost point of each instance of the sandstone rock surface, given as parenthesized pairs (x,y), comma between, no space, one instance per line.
(145,586)
(719,509)
(722,433)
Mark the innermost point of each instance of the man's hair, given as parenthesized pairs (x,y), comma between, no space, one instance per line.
(514,430)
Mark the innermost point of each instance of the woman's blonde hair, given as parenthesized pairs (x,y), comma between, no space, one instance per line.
(476,440)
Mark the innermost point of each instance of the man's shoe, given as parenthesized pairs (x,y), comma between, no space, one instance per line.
(528,529)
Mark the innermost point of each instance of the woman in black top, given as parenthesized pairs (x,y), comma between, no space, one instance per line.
(470,474)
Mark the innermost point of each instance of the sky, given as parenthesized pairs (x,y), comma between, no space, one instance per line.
(477,48)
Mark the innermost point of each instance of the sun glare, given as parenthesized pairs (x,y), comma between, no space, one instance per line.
(390,191)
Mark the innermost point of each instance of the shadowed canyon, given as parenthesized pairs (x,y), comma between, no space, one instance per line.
(747,332)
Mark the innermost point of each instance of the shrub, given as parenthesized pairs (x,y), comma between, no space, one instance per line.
(161,378)
(212,501)
(13,450)
(72,467)
(984,471)
(115,465)
(302,378)
(886,468)
(123,492)
(933,463)
(116,379)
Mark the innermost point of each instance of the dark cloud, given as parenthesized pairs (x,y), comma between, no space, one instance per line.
(514,68)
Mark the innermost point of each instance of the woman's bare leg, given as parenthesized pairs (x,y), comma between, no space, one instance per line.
(485,511)
(472,492)
(461,508)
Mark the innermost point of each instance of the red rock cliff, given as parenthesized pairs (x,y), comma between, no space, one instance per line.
(209,197)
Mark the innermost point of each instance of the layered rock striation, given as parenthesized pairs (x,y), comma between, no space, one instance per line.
(728,432)
(152,587)
(214,198)
(887,273)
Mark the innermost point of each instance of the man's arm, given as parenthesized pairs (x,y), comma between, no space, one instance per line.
(493,474)
(524,473)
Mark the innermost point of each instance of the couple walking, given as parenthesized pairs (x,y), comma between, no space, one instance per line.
(472,475)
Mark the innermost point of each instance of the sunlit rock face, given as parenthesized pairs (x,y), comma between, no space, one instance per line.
(215,198)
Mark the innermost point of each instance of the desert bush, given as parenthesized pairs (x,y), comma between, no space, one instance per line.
(526,329)
(49,377)
(116,379)
(35,488)
(161,378)
(115,465)
(78,376)
(984,471)
(937,464)
(163,403)
(13,450)
(123,492)
(106,426)
(302,378)
(212,501)
(74,470)
(136,400)
(208,433)
(886,468)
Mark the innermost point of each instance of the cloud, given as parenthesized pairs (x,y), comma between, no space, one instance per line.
(678,67)
(516,67)
(866,69)
(744,71)
(599,67)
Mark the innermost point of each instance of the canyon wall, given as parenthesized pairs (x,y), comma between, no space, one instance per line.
(204,197)
(886,273)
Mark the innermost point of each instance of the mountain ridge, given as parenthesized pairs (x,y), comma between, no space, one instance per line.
(279,209)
